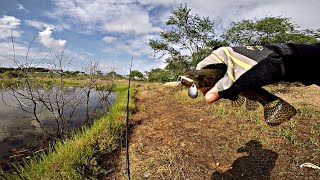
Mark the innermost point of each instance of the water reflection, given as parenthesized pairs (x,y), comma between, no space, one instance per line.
(19,129)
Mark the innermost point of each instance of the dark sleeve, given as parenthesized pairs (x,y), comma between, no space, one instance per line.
(304,64)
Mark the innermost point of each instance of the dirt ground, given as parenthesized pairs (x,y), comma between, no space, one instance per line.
(176,137)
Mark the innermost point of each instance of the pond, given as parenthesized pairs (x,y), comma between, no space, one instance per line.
(20,133)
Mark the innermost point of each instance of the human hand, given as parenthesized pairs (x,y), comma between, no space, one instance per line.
(248,67)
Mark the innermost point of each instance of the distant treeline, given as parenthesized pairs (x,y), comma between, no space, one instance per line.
(33,69)
(15,72)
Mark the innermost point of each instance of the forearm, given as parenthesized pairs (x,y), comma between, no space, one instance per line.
(304,64)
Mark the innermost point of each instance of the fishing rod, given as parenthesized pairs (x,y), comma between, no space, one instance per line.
(127,125)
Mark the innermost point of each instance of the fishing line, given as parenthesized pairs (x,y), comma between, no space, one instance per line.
(127,125)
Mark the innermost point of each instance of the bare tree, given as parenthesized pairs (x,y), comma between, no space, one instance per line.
(38,96)
(90,68)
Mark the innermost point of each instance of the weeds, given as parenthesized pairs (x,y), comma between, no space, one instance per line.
(220,111)
(264,140)
(289,131)
(225,147)
(237,140)
(171,165)
(240,113)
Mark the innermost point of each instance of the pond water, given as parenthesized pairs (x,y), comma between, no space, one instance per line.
(19,131)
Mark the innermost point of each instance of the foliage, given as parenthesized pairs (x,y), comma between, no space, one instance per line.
(158,75)
(31,69)
(135,74)
(189,39)
(113,74)
(268,30)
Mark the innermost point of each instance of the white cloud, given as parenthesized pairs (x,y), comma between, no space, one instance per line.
(9,24)
(167,3)
(112,16)
(109,39)
(20,52)
(143,65)
(137,45)
(146,16)
(123,66)
(233,10)
(46,39)
(301,12)
(130,19)
(41,25)
(22,8)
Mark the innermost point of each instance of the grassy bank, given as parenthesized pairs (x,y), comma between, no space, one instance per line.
(65,159)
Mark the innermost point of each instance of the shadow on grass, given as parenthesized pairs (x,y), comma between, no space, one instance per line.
(257,164)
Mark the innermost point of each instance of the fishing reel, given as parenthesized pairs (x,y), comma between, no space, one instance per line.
(185,81)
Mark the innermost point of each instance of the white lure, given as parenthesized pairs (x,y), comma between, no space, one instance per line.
(193,91)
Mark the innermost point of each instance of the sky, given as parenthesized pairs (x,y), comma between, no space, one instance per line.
(110,31)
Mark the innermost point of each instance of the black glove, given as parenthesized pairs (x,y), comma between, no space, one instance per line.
(249,67)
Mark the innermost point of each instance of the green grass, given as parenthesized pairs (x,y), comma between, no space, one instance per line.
(47,81)
(61,159)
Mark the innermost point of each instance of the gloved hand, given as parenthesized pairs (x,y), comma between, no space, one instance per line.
(248,67)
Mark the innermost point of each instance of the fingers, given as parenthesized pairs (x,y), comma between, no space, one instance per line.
(212,95)
(204,90)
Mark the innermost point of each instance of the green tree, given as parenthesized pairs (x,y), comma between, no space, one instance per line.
(266,31)
(158,75)
(241,33)
(114,74)
(135,74)
(188,40)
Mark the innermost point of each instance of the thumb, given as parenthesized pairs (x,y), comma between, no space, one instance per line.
(212,95)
